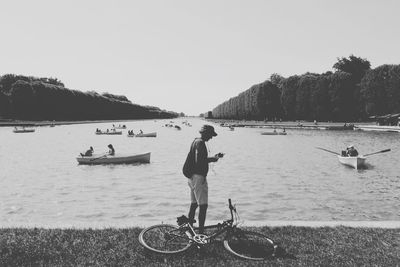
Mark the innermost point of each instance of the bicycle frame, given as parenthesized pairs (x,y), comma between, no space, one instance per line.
(226,226)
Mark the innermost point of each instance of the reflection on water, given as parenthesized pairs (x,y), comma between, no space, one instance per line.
(268,177)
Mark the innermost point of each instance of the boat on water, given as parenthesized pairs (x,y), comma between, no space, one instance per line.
(23,130)
(116,159)
(153,134)
(112,132)
(119,127)
(380,128)
(273,133)
(355,162)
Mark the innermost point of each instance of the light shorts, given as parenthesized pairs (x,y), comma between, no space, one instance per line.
(198,189)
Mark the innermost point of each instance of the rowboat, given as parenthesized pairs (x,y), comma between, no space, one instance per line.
(355,162)
(23,130)
(273,133)
(117,159)
(154,134)
(112,132)
(378,128)
(120,127)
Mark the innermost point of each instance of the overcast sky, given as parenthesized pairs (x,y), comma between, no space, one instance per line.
(190,56)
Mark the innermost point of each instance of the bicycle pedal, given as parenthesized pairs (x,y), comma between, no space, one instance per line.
(201,239)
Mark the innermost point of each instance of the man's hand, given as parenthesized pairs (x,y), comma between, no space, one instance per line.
(213,159)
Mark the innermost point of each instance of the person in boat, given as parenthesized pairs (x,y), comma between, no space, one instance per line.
(284,130)
(351,151)
(140,131)
(197,181)
(274,130)
(88,152)
(111,150)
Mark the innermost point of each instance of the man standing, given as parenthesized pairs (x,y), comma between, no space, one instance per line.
(198,179)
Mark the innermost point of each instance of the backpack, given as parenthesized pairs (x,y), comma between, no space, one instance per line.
(188,166)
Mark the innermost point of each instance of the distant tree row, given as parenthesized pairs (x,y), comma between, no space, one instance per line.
(31,98)
(353,92)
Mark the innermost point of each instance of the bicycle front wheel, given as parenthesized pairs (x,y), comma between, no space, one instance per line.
(250,245)
(164,239)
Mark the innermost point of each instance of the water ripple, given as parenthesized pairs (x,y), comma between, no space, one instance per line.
(269,178)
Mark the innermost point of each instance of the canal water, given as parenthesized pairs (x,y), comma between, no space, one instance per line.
(269,177)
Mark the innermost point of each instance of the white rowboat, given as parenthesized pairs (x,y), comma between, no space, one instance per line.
(273,133)
(113,132)
(355,162)
(108,159)
(379,128)
(23,130)
(154,134)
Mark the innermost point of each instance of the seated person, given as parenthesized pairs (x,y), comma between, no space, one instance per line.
(351,151)
(88,153)
(111,150)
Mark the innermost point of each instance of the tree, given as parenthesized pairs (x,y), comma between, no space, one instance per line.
(288,97)
(4,105)
(380,90)
(277,79)
(21,97)
(356,66)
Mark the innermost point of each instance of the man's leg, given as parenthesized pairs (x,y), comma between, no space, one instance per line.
(193,205)
(192,212)
(201,193)
(202,217)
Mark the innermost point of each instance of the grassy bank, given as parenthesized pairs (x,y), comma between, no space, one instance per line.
(306,246)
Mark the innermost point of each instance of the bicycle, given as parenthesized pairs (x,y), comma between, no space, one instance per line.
(170,239)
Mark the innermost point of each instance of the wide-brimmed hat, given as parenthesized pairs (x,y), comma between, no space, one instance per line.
(208,129)
(350,146)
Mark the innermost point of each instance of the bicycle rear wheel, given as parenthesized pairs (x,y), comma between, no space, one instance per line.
(250,245)
(164,239)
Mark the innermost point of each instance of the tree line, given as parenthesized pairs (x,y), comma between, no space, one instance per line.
(31,98)
(353,92)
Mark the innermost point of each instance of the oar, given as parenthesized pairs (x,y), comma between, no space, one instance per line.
(99,157)
(382,151)
(328,150)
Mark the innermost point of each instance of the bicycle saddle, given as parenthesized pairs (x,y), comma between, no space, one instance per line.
(183,219)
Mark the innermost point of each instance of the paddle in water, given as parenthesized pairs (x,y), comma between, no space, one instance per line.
(328,150)
(382,151)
